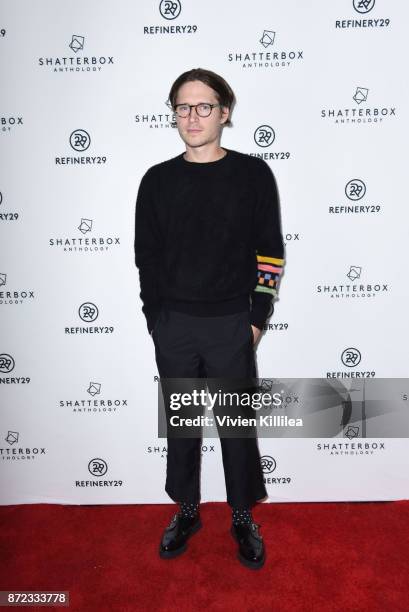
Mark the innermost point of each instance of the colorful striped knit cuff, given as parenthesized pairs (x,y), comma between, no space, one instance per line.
(269,270)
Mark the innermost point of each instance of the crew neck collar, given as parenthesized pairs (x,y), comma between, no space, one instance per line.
(216,162)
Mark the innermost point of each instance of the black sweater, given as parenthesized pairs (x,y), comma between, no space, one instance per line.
(207,237)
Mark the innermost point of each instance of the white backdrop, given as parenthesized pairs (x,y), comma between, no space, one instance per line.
(83,116)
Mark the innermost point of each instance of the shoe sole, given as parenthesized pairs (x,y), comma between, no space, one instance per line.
(170,554)
(249,564)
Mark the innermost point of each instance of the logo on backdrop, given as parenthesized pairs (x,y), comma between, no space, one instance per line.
(355,448)
(170,10)
(98,467)
(269,465)
(264,136)
(80,140)
(77,62)
(162,450)
(360,113)
(7,365)
(352,431)
(363,7)
(155,120)
(351,358)
(14,452)
(7,216)
(355,191)
(275,326)
(291,237)
(95,244)
(13,297)
(362,289)
(96,404)
(266,54)
(77,43)
(9,123)
(88,312)
(12,437)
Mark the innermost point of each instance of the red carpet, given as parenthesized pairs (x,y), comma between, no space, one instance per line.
(321,556)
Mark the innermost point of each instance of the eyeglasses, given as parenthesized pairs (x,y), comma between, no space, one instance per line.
(203,109)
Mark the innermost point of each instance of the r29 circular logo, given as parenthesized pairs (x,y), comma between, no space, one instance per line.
(97,467)
(355,189)
(88,312)
(268,464)
(264,136)
(351,357)
(80,140)
(363,6)
(170,9)
(6,363)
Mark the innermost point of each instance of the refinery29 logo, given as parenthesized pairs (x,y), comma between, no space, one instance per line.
(268,464)
(170,9)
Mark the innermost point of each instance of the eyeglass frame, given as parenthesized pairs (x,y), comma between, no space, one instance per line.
(212,106)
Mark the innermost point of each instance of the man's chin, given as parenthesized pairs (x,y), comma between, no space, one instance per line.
(191,142)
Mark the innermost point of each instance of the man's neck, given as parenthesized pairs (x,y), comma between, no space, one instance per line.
(204,155)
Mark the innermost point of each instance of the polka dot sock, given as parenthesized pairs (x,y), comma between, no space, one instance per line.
(241,516)
(189,510)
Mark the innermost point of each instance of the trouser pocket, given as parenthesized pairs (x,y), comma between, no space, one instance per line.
(155,327)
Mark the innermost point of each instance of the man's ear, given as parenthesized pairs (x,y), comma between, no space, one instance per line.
(225,112)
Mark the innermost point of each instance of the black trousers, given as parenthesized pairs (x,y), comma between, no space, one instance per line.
(197,347)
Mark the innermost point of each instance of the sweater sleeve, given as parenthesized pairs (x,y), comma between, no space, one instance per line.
(269,246)
(147,247)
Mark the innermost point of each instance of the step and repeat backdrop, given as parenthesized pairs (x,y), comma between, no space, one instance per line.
(322,97)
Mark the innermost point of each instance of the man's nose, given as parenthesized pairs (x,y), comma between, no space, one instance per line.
(193,116)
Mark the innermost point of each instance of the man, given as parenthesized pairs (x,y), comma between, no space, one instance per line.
(210,252)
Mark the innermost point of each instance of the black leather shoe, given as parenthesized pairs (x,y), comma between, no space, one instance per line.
(251,551)
(176,535)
